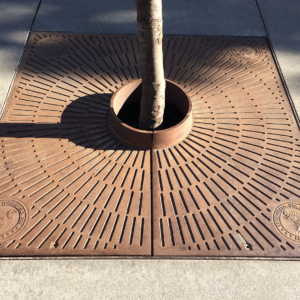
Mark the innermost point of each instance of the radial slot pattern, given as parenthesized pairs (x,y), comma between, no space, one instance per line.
(69,187)
(87,193)
(215,192)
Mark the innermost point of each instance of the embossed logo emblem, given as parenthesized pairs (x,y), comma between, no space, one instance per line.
(52,46)
(245,52)
(13,216)
(287,220)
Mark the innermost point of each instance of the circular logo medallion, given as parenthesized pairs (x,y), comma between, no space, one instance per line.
(287,220)
(245,52)
(52,46)
(13,217)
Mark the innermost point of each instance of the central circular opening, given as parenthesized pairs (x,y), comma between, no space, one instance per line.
(125,111)
(130,114)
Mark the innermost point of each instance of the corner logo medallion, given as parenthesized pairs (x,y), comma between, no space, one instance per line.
(287,220)
(245,52)
(52,46)
(13,217)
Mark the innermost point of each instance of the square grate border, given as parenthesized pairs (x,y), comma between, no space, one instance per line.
(68,187)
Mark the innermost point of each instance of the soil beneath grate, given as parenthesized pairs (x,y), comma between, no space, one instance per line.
(130,115)
(70,187)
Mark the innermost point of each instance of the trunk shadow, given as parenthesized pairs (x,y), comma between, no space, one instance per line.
(84,122)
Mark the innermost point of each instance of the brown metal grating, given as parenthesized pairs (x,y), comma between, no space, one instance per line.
(68,186)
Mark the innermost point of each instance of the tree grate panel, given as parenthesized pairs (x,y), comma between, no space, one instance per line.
(69,187)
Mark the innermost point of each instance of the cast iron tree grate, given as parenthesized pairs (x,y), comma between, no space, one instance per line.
(68,186)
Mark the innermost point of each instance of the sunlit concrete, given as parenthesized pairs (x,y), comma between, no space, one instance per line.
(16,17)
(283,25)
(149,279)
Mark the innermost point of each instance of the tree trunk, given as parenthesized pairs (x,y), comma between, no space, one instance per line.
(149,19)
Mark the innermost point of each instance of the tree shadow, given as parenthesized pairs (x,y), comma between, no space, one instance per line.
(84,122)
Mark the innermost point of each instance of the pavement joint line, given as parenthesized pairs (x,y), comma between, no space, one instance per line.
(36,12)
(260,13)
(296,113)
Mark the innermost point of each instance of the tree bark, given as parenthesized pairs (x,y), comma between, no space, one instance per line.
(149,19)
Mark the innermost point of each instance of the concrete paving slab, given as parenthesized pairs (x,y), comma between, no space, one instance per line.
(16,17)
(191,17)
(282,21)
(149,279)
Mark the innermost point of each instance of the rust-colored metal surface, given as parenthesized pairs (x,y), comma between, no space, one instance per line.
(77,189)
(220,192)
(69,186)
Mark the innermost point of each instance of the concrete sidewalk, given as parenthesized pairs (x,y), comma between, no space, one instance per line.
(149,279)
(152,279)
